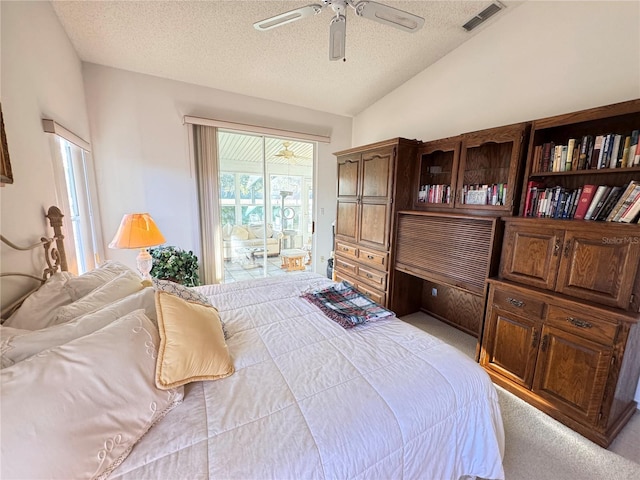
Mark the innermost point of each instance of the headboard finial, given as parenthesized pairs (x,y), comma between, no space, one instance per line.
(55,220)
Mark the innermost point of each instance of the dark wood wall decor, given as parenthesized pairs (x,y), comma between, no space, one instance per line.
(6,175)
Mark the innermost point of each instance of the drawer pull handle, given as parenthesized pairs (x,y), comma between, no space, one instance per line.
(579,323)
(515,303)
(370,257)
(369,275)
(346,249)
(567,248)
(536,339)
(545,343)
(556,247)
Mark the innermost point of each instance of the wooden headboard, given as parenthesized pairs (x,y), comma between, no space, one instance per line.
(54,253)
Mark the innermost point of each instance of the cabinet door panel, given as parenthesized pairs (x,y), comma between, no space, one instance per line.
(531,256)
(348,174)
(346,221)
(374,225)
(597,268)
(511,346)
(572,372)
(377,168)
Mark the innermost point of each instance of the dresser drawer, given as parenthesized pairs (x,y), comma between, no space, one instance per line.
(374,259)
(344,265)
(346,250)
(517,303)
(372,277)
(586,326)
(375,295)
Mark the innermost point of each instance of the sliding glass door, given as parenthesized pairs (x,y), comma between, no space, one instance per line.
(266,199)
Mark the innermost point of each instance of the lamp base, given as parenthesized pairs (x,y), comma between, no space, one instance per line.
(145,262)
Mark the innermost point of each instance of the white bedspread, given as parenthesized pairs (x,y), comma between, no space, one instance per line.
(312,400)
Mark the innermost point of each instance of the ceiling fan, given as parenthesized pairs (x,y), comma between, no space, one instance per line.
(289,155)
(338,27)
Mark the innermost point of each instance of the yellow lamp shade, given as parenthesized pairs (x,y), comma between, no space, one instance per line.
(137,230)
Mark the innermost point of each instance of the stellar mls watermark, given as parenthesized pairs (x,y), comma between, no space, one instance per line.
(620,240)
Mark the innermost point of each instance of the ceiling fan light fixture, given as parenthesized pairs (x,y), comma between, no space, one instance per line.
(405,21)
(337,37)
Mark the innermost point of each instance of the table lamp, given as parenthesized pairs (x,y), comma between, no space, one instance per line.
(138,230)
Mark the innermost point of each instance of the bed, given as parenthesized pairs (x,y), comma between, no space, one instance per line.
(306,398)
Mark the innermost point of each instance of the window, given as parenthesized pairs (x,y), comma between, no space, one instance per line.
(75,189)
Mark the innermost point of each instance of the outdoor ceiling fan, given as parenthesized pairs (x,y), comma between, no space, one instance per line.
(287,154)
(378,12)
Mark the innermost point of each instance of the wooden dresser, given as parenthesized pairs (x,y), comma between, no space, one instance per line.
(374,182)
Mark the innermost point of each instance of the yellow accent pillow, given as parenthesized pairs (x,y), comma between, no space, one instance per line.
(192,346)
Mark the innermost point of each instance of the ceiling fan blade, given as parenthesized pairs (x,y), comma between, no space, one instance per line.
(288,17)
(337,37)
(389,16)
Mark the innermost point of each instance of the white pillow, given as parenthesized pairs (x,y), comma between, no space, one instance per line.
(17,346)
(75,411)
(124,284)
(39,308)
(239,233)
(83,284)
(7,334)
(256,230)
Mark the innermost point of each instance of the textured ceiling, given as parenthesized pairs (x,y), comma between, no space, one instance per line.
(213,43)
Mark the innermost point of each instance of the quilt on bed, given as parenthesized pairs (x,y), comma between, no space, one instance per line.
(310,399)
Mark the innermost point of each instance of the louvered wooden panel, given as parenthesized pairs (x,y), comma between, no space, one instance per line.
(454,250)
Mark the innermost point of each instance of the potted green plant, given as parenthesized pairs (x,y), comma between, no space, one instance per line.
(175,264)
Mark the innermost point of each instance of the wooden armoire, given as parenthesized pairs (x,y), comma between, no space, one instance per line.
(374,182)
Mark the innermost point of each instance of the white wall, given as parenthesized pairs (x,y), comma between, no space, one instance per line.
(538,60)
(41,78)
(141,150)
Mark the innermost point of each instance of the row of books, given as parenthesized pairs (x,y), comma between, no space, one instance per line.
(434,194)
(494,194)
(589,202)
(588,153)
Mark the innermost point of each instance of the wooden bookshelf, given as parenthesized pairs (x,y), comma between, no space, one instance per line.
(621,118)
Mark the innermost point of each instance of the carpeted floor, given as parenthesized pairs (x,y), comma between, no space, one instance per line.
(537,446)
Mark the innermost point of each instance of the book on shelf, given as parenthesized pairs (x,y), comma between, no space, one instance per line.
(546,156)
(623,198)
(615,146)
(586,144)
(633,147)
(589,152)
(624,159)
(588,191)
(612,198)
(627,204)
(532,188)
(597,148)
(598,199)
(631,213)
(434,194)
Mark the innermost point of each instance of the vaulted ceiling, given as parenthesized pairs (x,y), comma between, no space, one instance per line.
(213,43)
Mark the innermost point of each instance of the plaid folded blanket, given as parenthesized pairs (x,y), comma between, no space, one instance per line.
(345,305)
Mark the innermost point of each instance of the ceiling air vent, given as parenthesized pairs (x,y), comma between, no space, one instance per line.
(483,16)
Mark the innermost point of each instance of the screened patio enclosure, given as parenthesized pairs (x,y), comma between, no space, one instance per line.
(266,204)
